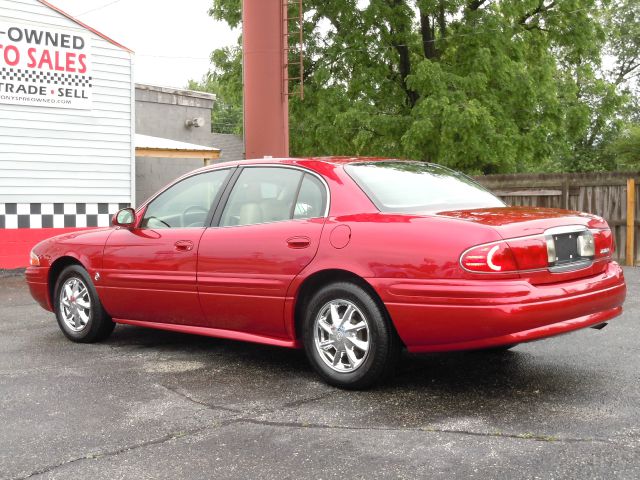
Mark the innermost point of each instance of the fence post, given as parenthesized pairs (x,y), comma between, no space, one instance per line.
(565,194)
(630,259)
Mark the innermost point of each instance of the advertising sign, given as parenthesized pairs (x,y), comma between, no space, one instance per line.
(45,67)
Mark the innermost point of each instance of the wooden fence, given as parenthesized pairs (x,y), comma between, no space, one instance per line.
(612,195)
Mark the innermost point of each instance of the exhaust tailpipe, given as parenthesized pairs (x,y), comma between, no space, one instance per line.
(600,326)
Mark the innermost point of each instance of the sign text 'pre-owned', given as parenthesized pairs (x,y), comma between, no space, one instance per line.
(41,66)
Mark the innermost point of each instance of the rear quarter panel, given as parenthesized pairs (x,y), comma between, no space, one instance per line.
(398,246)
(384,249)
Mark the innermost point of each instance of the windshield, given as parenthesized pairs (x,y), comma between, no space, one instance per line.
(409,187)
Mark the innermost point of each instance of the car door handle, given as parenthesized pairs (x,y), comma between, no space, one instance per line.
(298,242)
(183,245)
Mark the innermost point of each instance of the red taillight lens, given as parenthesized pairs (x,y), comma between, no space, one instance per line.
(605,245)
(492,258)
(508,256)
(536,252)
(530,253)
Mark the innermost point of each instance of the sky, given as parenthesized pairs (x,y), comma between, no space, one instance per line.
(172,40)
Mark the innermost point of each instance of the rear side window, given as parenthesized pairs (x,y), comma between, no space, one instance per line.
(273,194)
(412,187)
(262,195)
(311,199)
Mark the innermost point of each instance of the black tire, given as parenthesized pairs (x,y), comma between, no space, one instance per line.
(98,325)
(384,346)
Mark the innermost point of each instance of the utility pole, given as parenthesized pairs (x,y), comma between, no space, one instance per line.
(266,101)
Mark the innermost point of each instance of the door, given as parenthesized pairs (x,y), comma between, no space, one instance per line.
(266,233)
(149,272)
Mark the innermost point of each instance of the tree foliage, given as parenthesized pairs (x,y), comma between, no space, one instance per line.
(483,86)
(225,83)
(626,148)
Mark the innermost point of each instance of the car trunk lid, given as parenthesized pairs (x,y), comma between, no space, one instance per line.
(513,222)
(567,234)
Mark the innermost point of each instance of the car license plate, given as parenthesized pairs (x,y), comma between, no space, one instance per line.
(566,248)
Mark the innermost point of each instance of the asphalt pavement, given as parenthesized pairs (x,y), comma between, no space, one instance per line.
(149,404)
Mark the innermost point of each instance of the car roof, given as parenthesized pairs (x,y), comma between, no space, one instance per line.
(302,161)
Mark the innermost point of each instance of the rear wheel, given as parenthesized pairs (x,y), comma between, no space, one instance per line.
(347,337)
(78,309)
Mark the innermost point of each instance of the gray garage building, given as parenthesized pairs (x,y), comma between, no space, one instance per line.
(182,116)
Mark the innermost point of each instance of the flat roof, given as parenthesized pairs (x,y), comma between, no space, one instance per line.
(149,146)
(175,91)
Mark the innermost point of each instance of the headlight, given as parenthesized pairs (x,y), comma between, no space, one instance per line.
(34,261)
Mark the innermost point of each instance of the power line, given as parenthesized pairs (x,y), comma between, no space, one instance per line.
(180,57)
(98,8)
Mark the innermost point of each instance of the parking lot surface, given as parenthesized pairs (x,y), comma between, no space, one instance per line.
(153,404)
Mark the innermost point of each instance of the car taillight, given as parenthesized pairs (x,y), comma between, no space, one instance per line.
(530,253)
(518,254)
(538,252)
(604,243)
(491,258)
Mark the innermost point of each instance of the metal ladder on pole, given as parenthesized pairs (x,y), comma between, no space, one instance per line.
(292,31)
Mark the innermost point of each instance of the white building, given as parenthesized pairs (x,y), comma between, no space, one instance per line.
(66,126)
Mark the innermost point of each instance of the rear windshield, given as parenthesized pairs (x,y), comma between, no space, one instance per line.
(409,187)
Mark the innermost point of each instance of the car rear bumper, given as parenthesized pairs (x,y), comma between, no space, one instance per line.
(37,278)
(445,315)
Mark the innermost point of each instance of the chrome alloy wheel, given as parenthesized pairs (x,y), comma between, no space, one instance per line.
(75,304)
(341,335)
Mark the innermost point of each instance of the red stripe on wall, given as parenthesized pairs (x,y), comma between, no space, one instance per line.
(15,244)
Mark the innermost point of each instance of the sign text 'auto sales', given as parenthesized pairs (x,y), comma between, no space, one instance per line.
(41,66)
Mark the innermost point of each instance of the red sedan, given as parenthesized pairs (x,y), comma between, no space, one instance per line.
(350,259)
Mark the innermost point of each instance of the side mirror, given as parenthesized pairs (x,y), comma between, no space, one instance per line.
(125,218)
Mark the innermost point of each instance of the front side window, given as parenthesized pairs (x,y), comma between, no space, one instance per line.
(412,187)
(187,203)
(272,194)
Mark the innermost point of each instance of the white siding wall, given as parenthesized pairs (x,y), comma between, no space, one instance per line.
(65,155)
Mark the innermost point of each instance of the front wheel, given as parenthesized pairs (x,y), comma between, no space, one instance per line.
(347,337)
(78,309)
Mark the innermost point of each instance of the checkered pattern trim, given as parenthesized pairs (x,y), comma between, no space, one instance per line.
(57,215)
(50,78)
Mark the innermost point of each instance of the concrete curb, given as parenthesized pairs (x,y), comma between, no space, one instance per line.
(16,272)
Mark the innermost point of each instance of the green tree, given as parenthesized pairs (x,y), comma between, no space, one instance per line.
(610,90)
(625,149)
(225,82)
(483,86)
